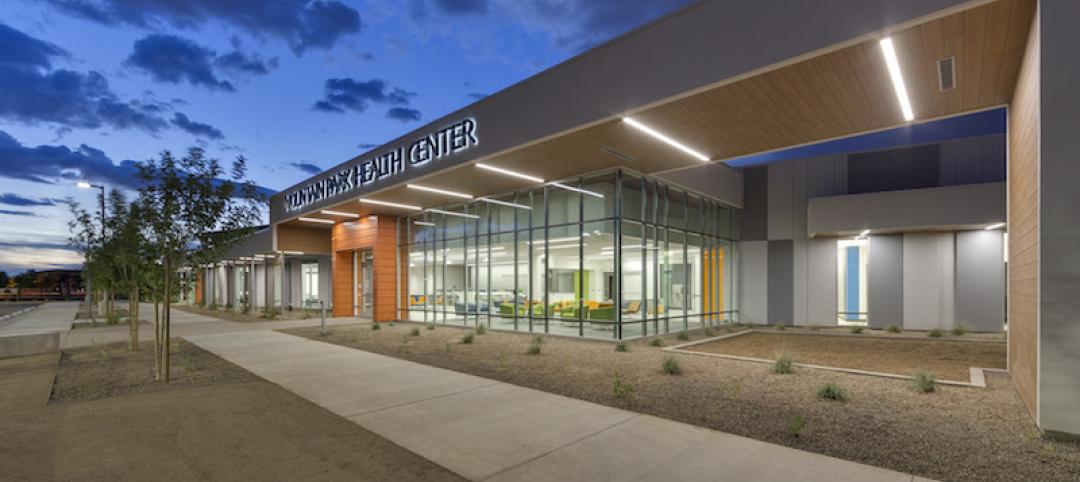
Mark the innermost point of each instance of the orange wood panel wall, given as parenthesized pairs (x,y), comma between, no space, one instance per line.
(314,240)
(199,287)
(1024,225)
(377,233)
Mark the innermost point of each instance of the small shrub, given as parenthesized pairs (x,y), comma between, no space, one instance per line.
(431,326)
(709,332)
(481,330)
(467,339)
(112,318)
(671,366)
(538,339)
(621,389)
(924,382)
(391,324)
(784,364)
(832,391)
(815,327)
(414,332)
(534,348)
(935,333)
(797,425)
(657,342)
(895,329)
(622,347)
(960,329)
(375,326)
(857,330)
(780,326)
(682,336)
(355,339)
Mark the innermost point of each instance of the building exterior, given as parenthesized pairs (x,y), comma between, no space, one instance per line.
(871,162)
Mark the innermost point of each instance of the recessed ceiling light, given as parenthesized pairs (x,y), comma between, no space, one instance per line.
(665,139)
(994,226)
(505,203)
(316,220)
(392,205)
(864,233)
(576,189)
(893,65)
(439,191)
(339,213)
(451,213)
(510,173)
(423,223)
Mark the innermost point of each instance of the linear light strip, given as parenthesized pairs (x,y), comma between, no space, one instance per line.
(508,172)
(667,140)
(392,205)
(423,223)
(575,189)
(994,226)
(451,213)
(339,213)
(897,78)
(439,191)
(505,203)
(316,220)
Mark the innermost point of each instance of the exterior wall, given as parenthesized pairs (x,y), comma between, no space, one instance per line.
(886,283)
(980,281)
(1059,213)
(1024,227)
(377,233)
(753,281)
(304,239)
(928,281)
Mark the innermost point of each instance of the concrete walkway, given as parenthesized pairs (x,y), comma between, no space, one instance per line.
(488,430)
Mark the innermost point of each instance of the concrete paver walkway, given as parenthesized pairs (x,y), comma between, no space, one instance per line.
(488,430)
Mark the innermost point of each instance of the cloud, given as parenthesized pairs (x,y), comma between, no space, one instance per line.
(307,167)
(343,94)
(302,24)
(12,199)
(403,114)
(577,25)
(462,7)
(17,213)
(241,63)
(197,128)
(367,145)
(172,59)
(477,95)
(23,50)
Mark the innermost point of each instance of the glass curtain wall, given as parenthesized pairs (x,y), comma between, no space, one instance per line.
(618,256)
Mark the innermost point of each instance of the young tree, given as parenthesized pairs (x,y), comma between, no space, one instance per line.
(85,238)
(193,214)
(125,253)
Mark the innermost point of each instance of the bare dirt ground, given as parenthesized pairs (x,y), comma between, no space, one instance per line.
(957,433)
(109,421)
(945,358)
(252,316)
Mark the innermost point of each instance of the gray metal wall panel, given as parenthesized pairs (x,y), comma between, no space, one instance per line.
(973,160)
(886,283)
(754,220)
(801,281)
(781,271)
(980,280)
(718,181)
(821,289)
(780,199)
(973,204)
(928,280)
(1059,210)
(753,281)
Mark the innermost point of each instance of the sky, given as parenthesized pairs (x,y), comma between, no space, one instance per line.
(88,88)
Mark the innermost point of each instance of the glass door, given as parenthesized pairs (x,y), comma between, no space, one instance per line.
(365,283)
(852,267)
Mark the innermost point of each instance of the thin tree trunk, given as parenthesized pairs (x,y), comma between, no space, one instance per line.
(168,315)
(157,338)
(133,318)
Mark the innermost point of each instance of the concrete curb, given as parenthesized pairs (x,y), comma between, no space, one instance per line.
(20,312)
(978,378)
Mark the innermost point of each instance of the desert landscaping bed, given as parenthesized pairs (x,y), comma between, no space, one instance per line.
(956,433)
(946,359)
(257,315)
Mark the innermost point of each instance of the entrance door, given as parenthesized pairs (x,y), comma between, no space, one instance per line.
(365,283)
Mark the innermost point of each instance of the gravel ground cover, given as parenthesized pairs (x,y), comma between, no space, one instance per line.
(947,359)
(956,433)
(257,315)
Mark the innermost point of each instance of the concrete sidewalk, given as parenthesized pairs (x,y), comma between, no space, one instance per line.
(488,430)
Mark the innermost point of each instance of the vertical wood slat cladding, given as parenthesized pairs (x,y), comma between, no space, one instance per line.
(378,234)
(312,240)
(1024,225)
(198,288)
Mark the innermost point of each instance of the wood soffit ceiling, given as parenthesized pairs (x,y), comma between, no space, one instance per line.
(839,93)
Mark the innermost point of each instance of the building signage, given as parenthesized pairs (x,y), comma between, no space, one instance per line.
(449,140)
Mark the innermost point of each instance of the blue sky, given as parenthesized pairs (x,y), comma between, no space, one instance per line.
(87,86)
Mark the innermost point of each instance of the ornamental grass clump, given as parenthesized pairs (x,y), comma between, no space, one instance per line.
(924,382)
(481,330)
(671,366)
(895,329)
(682,336)
(935,333)
(414,332)
(960,329)
(657,342)
(621,389)
(467,339)
(534,348)
(832,391)
(857,330)
(622,347)
(785,364)
(375,326)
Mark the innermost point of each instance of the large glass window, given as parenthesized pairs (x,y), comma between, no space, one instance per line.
(617,255)
(309,284)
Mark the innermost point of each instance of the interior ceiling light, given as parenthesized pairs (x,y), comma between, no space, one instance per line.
(423,223)
(575,189)
(665,139)
(897,78)
(504,203)
(392,205)
(339,213)
(864,233)
(994,226)
(451,213)
(292,253)
(439,191)
(508,172)
(316,220)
